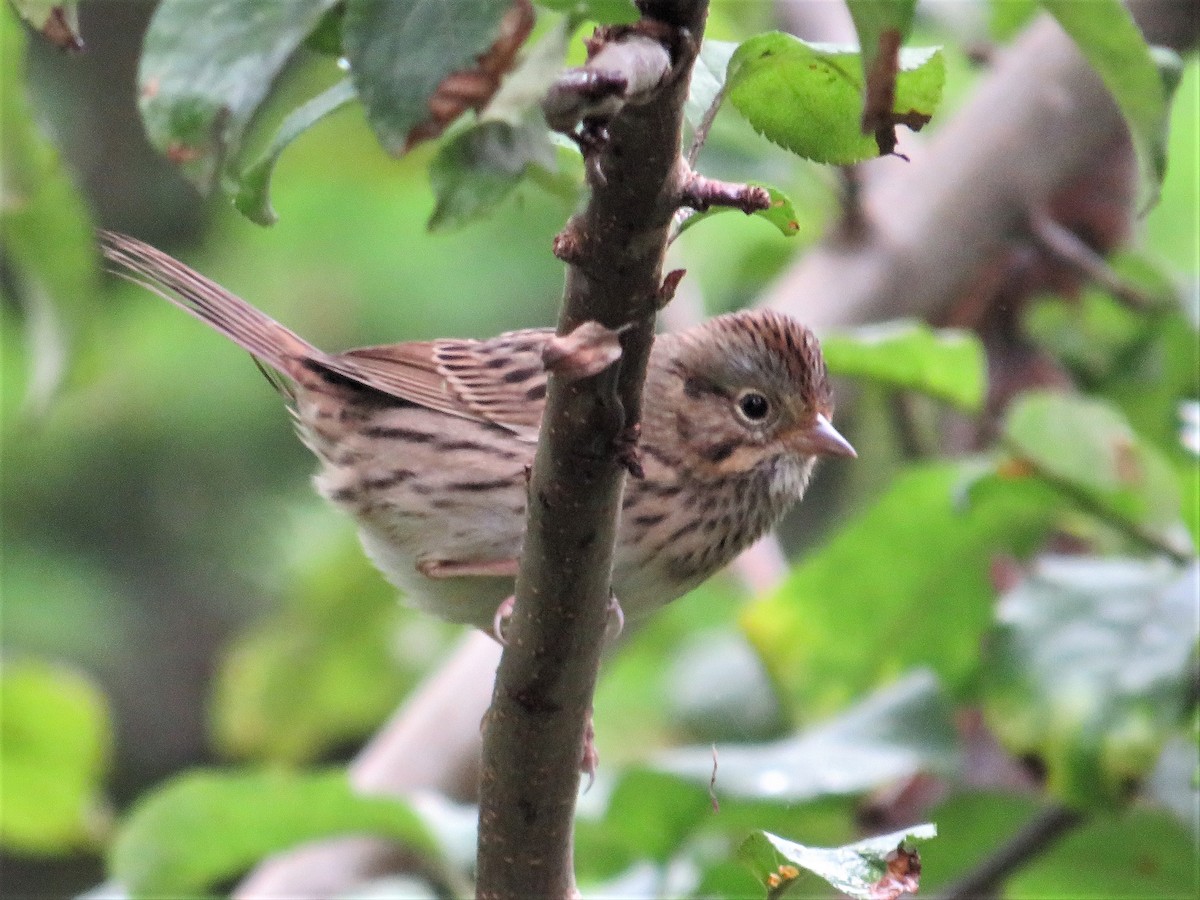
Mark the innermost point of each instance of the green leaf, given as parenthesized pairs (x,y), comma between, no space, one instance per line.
(897,732)
(253,194)
(971,825)
(1129,853)
(55,748)
(808,97)
(604,12)
(875,601)
(1175,781)
(1007,17)
(708,79)
(716,689)
(651,813)
(1092,334)
(326,36)
(400,51)
(945,363)
(1088,670)
(882,27)
(41,209)
(477,169)
(206,69)
(781,213)
(1109,39)
(207,826)
(323,672)
(855,869)
(1086,449)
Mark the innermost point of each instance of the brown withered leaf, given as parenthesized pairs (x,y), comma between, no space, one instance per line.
(472,88)
(903,875)
(58,23)
(670,283)
(62,29)
(588,350)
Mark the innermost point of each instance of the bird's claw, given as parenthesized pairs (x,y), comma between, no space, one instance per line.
(589,759)
(503,614)
(615,623)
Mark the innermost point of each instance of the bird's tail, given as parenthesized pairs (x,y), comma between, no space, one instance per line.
(255,331)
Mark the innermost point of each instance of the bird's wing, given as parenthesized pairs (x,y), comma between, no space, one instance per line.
(501,380)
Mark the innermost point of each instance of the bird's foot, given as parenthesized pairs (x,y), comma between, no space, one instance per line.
(503,614)
(589,759)
(616,619)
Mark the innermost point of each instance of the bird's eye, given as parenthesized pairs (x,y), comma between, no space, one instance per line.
(754,406)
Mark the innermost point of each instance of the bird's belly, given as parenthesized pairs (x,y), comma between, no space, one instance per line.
(641,588)
(468,600)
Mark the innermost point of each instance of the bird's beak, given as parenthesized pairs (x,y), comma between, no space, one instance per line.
(822,439)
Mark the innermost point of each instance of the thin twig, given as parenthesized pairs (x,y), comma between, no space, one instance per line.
(913,444)
(1035,838)
(1069,248)
(706,123)
(1136,532)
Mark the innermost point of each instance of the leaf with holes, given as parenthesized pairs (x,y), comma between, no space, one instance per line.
(874,869)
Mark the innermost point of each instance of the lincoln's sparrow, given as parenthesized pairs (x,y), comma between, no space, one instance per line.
(426,444)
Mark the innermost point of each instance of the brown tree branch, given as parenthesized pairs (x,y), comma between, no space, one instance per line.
(614,250)
(1045,830)
(1070,248)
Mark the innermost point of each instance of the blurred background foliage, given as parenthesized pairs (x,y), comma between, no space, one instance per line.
(166,564)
